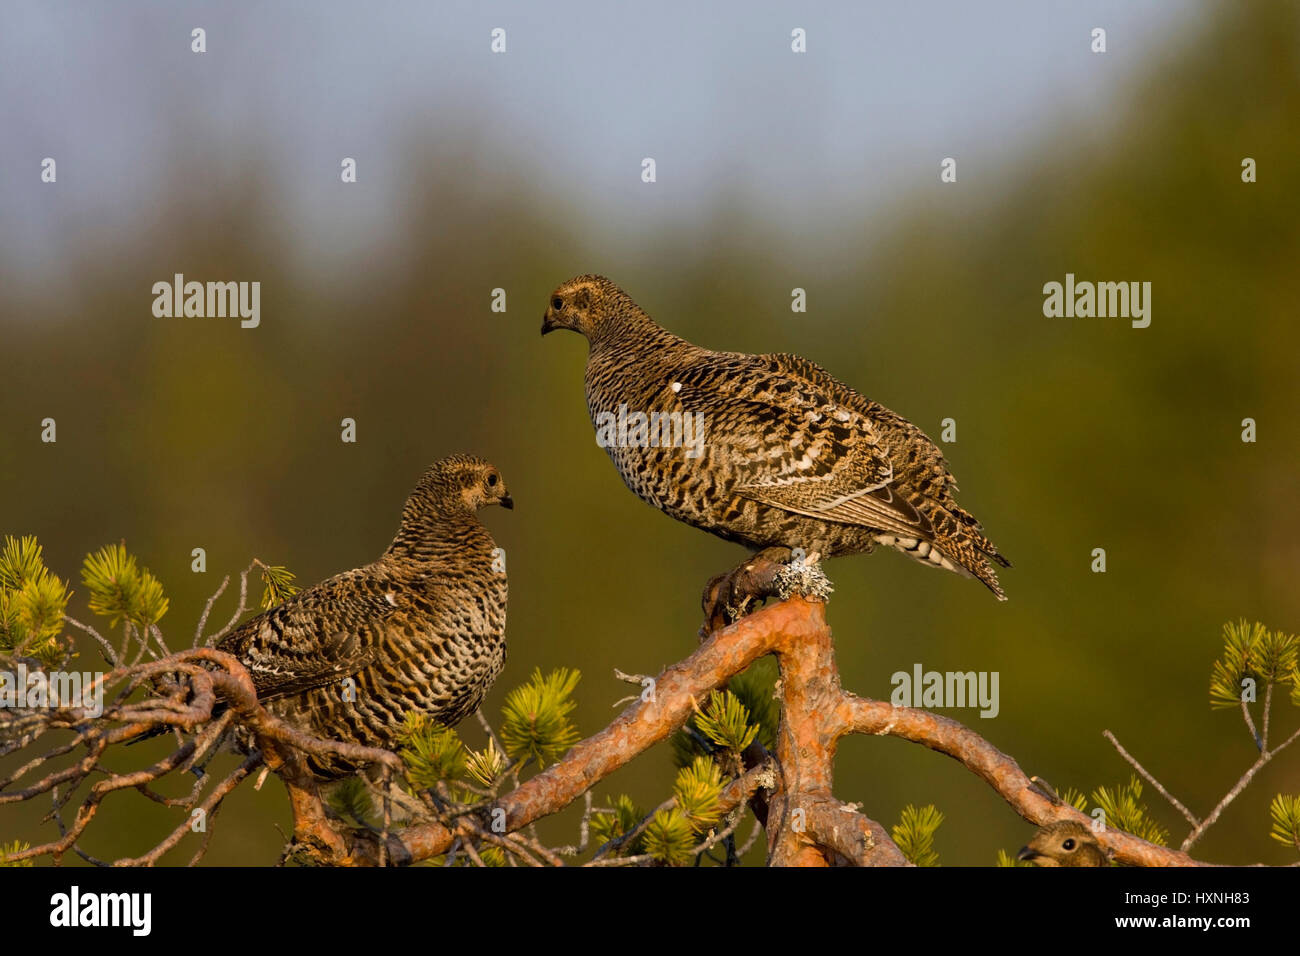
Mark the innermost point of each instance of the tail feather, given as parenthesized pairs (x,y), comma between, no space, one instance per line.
(964,554)
(985,573)
(974,555)
(218,709)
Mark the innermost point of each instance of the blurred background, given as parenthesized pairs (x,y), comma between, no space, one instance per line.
(775,170)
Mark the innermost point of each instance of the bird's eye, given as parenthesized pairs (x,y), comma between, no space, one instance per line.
(492,481)
(557,303)
(1067,845)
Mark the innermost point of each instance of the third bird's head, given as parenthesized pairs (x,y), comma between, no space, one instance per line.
(591,305)
(1064,843)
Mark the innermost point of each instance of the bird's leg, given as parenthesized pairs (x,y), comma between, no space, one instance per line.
(803,575)
(776,572)
(727,597)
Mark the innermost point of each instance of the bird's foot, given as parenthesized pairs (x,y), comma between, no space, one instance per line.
(777,572)
(803,576)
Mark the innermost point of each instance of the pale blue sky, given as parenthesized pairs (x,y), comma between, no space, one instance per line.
(711,90)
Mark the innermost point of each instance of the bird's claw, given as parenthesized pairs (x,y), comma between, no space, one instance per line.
(775,572)
(804,578)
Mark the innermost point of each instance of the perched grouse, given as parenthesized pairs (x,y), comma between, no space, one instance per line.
(766,450)
(1064,843)
(422,628)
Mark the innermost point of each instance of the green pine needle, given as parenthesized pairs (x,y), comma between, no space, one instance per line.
(432,753)
(756,690)
(11,634)
(492,855)
(1075,798)
(624,818)
(725,721)
(669,838)
(122,591)
(697,792)
(277,585)
(915,832)
(535,718)
(1285,811)
(1125,811)
(6,849)
(32,602)
(486,766)
(20,561)
(350,799)
(1006,859)
(1279,655)
(1251,650)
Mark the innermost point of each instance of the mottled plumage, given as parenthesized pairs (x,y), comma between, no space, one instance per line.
(422,628)
(790,456)
(1064,843)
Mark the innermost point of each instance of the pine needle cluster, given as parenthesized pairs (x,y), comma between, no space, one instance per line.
(32,602)
(746,711)
(1125,811)
(7,849)
(432,753)
(277,585)
(535,719)
(1285,813)
(120,590)
(619,818)
(1252,652)
(914,833)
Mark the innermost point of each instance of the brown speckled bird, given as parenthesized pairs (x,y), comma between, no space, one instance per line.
(786,456)
(1064,843)
(422,628)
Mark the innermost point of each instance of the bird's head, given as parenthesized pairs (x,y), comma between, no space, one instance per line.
(1064,843)
(438,511)
(589,304)
(460,482)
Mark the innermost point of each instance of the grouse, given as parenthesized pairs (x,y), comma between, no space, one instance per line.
(1064,843)
(768,451)
(420,629)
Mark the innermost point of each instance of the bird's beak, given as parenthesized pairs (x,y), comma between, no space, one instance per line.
(507,502)
(548,323)
(1026,853)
